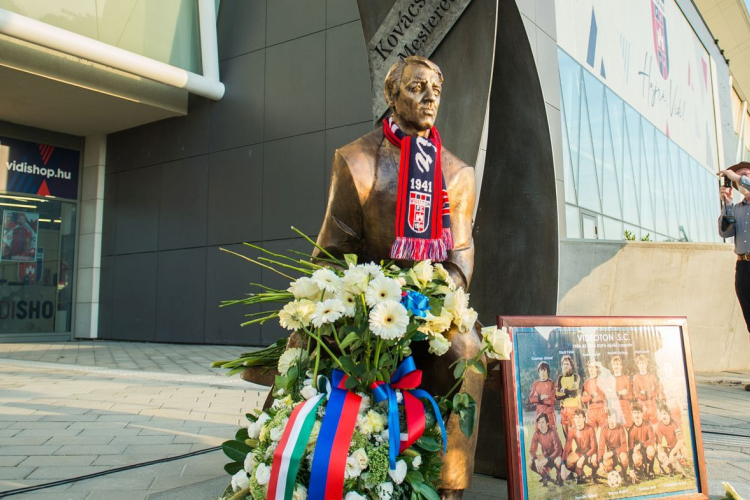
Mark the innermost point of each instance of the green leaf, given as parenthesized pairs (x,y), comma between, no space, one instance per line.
(351,383)
(233,468)
(347,363)
(478,367)
(241,435)
(235,450)
(466,408)
(428,444)
(350,258)
(350,338)
(281,382)
(424,490)
(458,372)
(414,476)
(384,359)
(418,337)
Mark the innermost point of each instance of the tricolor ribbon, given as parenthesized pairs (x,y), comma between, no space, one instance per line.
(291,448)
(406,378)
(334,439)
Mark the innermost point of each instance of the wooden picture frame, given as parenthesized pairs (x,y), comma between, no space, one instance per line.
(662,346)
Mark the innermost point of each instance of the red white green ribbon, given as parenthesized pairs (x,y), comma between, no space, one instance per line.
(291,448)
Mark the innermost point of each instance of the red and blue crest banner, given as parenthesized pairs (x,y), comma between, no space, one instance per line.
(659,22)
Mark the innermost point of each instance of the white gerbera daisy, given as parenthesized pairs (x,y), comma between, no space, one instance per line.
(382,289)
(350,303)
(296,315)
(356,279)
(327,280)
(373,269)
(327,311)
(292,356)
(389,320)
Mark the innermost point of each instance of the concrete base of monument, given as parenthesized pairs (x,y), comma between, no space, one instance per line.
(483,488)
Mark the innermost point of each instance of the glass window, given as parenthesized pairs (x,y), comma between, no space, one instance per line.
(572,221)
(36,264)
(623,173)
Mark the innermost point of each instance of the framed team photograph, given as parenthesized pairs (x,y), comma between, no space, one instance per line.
(601,408)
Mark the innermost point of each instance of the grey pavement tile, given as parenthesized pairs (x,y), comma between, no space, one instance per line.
(64,472)
(147,440)
(121,495)
(91,449)
(26,440)
(113,482)
(52,495)
(11,461)
(40,425)
(127,459)
(58,461)
(168,483)
(163,449)
(80,440)
(28,450)
(69,418)
(108,432)
(15,472)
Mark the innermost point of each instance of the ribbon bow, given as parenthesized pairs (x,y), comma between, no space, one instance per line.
(407,378)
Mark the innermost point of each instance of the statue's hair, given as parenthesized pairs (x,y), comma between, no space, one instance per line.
(393,78)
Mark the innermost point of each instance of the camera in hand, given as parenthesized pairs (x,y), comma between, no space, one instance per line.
(727,182)
(727,220)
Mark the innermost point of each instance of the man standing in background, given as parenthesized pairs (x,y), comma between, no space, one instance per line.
(733,222)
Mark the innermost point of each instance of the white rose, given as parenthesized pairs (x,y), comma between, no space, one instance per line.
(240,481)
(277,432)
(371,422)
(262,474)
(424,271)
(361,457)
(496,343)
(285,402)
(253,430)
(293,356)
(313,436)
(466,320)
(353,495)
(305,288)
(399,473)
(442,273)
(352,469)
(439,345)
(300,492)
(384,491)
(401,281)
(308,392)
(365,404)
(417,461)
(249,464)
(356,279)
(456,302)
(436,324)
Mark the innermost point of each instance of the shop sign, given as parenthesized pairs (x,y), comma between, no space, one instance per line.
(411,28)
(38,169)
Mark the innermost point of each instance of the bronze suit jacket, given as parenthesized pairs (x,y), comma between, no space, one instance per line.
(361,213)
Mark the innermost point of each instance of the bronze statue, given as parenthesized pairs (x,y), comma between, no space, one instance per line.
(361,219)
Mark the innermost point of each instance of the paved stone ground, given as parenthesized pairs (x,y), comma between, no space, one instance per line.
(76,408)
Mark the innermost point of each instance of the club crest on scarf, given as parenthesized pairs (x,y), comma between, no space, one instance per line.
(422,205)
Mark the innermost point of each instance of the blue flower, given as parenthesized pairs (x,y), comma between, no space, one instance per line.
(418,304)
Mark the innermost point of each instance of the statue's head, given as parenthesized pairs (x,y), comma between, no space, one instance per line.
(412,91)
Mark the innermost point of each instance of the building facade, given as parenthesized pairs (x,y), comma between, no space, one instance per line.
(640,108)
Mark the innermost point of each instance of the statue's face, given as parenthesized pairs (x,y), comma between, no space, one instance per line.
(417,104)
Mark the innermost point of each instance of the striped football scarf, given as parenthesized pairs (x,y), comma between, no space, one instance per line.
(423,215)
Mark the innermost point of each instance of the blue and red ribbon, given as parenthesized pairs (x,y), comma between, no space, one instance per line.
(334,439)
(406,378)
